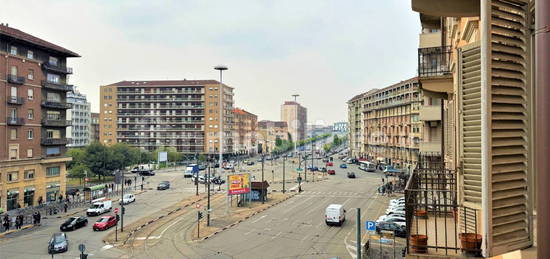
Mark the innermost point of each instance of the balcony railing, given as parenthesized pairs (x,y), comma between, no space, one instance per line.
(434,61)
(53,141)
(14,79)
(56,123)
(16,100)
(58,69)
(15,121)
(56,86)
(56,105)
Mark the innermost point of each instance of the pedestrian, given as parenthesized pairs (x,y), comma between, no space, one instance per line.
(40,201)
(6,222)
(382,180)
(65,206)
(38,217)
(383,190)
(14,221)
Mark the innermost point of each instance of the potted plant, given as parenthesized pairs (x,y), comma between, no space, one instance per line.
(419,244)
(471,243)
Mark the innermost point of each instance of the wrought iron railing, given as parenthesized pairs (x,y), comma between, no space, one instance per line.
(434,61)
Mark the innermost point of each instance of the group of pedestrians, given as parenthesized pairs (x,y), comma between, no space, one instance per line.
(16,221)
(386,187)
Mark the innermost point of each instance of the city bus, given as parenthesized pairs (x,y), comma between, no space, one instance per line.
(367,166)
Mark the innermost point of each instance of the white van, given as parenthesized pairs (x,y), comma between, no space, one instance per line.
(335,214)
(99,206)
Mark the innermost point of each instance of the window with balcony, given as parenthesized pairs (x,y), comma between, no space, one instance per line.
(53,134)
(53,97)
(53,78)
(30,54)
(53,151)
(13,50)
(53,115)
(53,61)
(13,70)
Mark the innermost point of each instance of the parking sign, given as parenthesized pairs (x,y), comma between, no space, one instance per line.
(370,225)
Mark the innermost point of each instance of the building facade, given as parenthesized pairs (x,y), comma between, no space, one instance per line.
(33,74)
(356,129)
(244,132)
(78,134)
(94,127)
(184,114)
(295,116)
(340,127)
(268,132)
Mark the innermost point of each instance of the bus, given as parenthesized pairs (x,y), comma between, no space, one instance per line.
(367,166)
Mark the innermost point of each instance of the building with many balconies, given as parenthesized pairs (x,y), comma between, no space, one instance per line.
(244,132)
(34,74)
(79,119)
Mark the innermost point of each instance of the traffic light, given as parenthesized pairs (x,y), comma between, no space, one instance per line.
(123,210)
(200,215)
(117,217)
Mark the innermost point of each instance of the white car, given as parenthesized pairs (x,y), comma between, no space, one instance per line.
(128,198)
(395,210)
(398,221)
(387,217)
(400,200)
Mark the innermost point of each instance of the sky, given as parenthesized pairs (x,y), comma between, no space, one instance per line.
(325,51)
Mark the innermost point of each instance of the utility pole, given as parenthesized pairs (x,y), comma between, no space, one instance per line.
(358,243)
(208,204)
(284,173)
(312,155)
(122,205)
(262,193)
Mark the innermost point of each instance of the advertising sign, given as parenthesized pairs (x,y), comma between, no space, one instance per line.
(238,183)
(163,156)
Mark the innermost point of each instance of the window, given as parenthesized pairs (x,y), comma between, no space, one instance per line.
(30,94)
(13,50)
(53,115)
(29,152)
(30,76)
(13,134)
(30,134)
(13,176)
(30,114)
(53,151)
(30,54)
(14,151)
(52,171)
(13,71)
(53,97)
(53,61)
(53,78)
(53,134)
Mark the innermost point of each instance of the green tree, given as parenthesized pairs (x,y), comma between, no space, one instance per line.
(278,141)
(78,155)
(202,157)
(79,171)
(98,159)
(326,147)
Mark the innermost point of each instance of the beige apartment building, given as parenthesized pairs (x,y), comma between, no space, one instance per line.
(295,116)
(244,132)
(184,114)
(356,129)
(268,132)
(33,74)
(477,56)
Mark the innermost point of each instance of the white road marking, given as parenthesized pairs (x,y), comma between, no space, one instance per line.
(258,219)
(247,233)
(275,236)
(105,247)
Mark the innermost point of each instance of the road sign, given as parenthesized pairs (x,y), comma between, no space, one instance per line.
(116,210)
(370,225)
(299,169)
(81,248)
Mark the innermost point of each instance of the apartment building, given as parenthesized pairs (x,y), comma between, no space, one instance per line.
(79,117)
(392,128)
(480,65)
(94,127)
(340,127)
(244,132)
(295,116)
(33,74)
(356,130)
(268,132)
(184,114)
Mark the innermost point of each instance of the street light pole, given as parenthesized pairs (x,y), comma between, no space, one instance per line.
(221,68)
(208,204)
(295,122)
(262,190)
(284,158)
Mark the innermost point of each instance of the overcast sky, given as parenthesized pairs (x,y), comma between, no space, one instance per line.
(325,51)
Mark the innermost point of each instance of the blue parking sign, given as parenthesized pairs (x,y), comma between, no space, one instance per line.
(371,226)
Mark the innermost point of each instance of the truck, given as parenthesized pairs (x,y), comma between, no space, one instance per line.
(191,170)
(99,206)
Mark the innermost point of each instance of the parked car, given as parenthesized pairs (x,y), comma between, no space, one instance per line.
(332,172)
(218,180)
(164,185)
(343,166)
(202,167)
(73,223)
(128,198)
(250,163)
(398,231)
(58,243)
(395,210)
(330,164)
(351,175)
(394,215)
(105,222)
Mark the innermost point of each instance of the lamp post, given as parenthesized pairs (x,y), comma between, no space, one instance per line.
(295,122)
(221,68)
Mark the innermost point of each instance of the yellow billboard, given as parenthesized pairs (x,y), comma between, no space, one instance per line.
(238,183)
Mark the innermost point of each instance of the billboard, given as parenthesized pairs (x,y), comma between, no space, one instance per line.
(238,183)
(163,156)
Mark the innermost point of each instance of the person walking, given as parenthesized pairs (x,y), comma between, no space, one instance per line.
(65,206)
(6,222)
(38,217)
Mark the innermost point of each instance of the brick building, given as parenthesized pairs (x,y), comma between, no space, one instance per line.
(268,132)
(244,131)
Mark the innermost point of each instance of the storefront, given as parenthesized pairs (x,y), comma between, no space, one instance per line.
(12,199)
(52,191)
(28,199)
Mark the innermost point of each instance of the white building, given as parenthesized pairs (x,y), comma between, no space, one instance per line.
(78,134)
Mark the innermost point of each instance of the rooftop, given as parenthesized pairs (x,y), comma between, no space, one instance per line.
(32,40)
(183,82)
(267,123)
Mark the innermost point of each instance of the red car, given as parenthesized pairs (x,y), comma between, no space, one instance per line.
(104,223)
(331,172)
(330,164)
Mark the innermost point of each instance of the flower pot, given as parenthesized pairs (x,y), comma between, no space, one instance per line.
(419,244)
(471,243)
(421,213)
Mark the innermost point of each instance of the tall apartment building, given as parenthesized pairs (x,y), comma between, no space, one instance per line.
(183,114)
(392,130)
(268,132)
(33,74)
(94,127)
(78,134)
(340,127)
(295,116)
(244,132)
(481,65)
(356,129)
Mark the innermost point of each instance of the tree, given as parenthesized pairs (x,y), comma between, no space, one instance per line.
(289,137)
(98,159)
(278,141)
(79,171)
(202,157)
(78,155)
(326,147)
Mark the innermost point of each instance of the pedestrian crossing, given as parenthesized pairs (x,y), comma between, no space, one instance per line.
(333,194)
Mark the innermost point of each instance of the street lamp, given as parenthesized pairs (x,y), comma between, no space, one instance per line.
(295,122)
(221,68)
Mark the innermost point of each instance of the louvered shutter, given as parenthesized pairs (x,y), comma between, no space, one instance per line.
(508,126)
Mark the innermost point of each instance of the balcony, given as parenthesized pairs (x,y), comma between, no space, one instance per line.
(56,86)
(432,147)
(56,105)
(430,113)
(434,71)
(58,69)
(16,100)
(446,8)
(56,123)
(15,121)
(17,80)
(53,141)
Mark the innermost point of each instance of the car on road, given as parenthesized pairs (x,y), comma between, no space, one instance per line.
(351,175)
(128,198)
(73,223)
(105,222)
(202,167)
(217,180)
(164,185)
(398,231)
(343,166)
(330,164)
(99,206)
(332,172)
(58,243)
(250,163)
(335,214)
(146,172)
(322,169)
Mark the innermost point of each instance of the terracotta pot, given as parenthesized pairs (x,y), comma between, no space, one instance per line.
(471,243)
(421,213)
(419,244)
